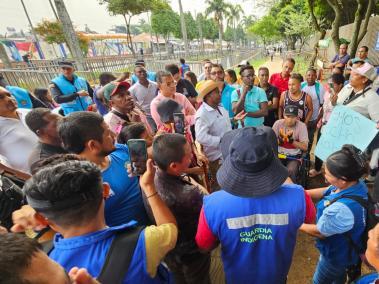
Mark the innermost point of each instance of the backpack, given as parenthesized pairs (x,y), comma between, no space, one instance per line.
(317,87)
(119,256)
(372,218)
(11,199)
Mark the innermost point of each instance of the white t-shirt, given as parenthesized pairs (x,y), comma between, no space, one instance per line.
(366,104)
(143,96)
(17,141)
(316,101)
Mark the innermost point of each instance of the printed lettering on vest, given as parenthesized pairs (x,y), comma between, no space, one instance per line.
(256,234)
(257,219)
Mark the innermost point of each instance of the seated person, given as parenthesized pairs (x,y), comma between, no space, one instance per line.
(292,139)
(70,198)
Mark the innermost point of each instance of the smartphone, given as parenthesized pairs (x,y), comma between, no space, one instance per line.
(179,122)
(138,156)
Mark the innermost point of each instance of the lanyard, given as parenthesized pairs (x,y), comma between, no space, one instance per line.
(353,96)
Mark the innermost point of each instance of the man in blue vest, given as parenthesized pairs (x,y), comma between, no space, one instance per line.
(23,98)
(69,196)
(69,90)
(257,229)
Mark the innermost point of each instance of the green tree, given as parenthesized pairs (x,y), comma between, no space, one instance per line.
(144,26)
(210,29)
(364,10)
(266,29)
(129,9)
(191,27)
(220,10)
(165,22)
(52,32)
(235,13)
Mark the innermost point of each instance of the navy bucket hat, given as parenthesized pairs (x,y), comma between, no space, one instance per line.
(251,167)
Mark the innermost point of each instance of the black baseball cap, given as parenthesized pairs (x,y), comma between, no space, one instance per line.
(291,110)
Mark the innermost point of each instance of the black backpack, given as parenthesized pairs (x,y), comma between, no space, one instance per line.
(119,256)
(372,218)
(11,199)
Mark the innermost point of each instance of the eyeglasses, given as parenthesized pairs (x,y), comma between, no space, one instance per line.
(217,73)
(248,75)
(171,84)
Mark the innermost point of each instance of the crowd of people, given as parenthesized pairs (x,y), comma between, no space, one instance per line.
(225,177)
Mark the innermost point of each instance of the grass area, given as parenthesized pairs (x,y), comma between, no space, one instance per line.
(301,65)
(259,62)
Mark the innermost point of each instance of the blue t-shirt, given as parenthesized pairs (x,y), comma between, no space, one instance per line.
(252,104)
(88,251)
(125,201)
(226,97)
(151,76)
(367,279)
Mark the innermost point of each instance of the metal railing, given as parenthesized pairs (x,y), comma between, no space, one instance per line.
(41,72)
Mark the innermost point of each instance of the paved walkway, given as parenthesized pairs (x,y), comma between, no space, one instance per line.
(274,66)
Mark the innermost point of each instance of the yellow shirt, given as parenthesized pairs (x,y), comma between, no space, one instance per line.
(159,240)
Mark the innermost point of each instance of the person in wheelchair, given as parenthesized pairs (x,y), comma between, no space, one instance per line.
(292,137)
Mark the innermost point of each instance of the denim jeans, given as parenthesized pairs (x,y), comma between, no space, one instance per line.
(327,273)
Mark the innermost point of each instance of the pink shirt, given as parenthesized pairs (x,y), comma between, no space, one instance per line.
(188,109)
(115,122)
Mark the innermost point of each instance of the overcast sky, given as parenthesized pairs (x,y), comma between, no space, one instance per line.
(88,12)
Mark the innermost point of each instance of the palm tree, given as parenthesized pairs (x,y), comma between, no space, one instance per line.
(219,9)
(183,27)
(69,33)
(235,12)
(247,22)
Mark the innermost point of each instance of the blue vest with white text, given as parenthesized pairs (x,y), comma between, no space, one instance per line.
(68,88)
(257,235)
(336,248)
(21,95)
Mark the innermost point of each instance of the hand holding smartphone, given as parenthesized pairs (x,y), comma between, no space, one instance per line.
(179,124)
(138,156)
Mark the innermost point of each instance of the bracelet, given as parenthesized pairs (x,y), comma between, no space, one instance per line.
(155,193)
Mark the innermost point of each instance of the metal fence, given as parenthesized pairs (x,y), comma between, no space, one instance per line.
(42,72)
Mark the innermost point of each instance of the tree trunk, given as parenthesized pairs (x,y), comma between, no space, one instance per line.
(129,41)
(158,46)
(315,49)
(199,26)
(184,28)
(69,33)
(4,57)
(220,33)
(235,35)
(319,29)
(336,23)
(358,33)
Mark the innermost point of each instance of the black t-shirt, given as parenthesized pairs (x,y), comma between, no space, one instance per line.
(186,88)
(271,93)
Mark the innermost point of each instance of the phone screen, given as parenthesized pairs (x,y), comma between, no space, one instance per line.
(179,122)
(138,156)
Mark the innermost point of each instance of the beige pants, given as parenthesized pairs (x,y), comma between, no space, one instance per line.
(213,168)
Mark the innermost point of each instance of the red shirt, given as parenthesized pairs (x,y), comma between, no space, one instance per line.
(278,81)
(206,240)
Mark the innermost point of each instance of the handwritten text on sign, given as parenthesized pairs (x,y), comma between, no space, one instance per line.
(345,126)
